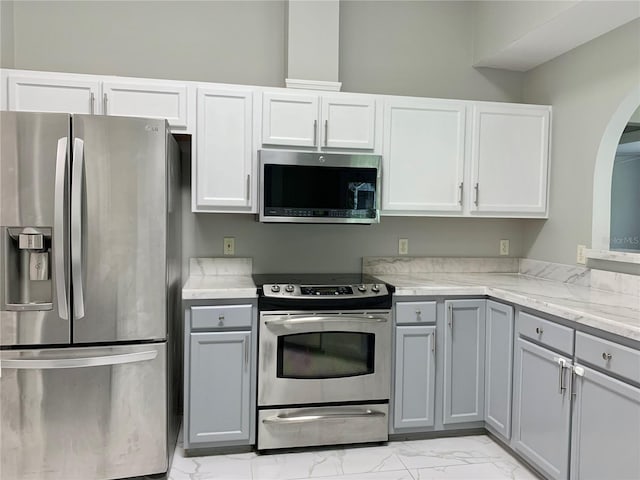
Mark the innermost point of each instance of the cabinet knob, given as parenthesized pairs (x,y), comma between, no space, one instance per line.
(221,320)
(539,330)
(606,356)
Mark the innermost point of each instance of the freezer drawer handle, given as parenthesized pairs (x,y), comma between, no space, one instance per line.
(305,418)
(55,363)
(76,227)
(58,230)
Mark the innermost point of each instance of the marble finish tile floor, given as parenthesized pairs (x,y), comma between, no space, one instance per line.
(475,457)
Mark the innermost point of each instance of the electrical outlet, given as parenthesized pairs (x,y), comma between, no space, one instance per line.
(504,247)
(580,257)
(229,246)
(403,246)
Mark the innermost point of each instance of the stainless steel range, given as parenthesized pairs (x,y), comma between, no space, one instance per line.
(323,360)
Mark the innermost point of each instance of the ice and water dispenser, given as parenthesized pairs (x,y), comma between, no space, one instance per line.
(27,269)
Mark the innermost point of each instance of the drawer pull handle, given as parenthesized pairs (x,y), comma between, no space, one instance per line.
(539,330)
(606,356)
(221,320)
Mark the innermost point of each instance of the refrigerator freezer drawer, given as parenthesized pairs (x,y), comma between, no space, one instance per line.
(80,413)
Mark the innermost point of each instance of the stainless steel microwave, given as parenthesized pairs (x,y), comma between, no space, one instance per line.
(307,187)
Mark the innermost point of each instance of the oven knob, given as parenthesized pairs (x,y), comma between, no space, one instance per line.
(362,288)
(275,288)
(289,288)
(375,288)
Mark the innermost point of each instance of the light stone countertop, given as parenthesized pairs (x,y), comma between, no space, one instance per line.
(616,313)
(612,312)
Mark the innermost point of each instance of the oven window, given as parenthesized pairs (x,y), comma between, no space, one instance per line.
(325,355)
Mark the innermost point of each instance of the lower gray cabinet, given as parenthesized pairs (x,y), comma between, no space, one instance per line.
(415,368)
(541,408)
(464,357)
(498,368)
(606,428)
(219,397)
(220,375)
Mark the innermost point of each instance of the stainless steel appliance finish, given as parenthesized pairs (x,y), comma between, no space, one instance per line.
(89,304)
(336,375)
(309,426)
(306,187)
(324,360)
(84,413)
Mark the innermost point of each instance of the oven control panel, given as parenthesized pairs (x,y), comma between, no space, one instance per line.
(361,290)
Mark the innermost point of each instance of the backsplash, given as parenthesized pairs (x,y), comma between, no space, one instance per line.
(399,265)
(572,274)
(220,266)
(587,277)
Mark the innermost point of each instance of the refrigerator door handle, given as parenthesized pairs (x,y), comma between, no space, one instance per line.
(81,362)
(76,227)
(58,229)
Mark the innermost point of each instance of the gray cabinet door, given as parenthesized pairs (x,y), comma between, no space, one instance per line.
(606,428)
(464,344)
(414,392)
(219,397)
(541,408)
(498,368)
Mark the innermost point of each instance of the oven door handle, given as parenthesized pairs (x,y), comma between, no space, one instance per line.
(310,417)
(301,321)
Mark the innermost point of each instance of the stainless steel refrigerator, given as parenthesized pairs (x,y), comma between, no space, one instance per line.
(89,301)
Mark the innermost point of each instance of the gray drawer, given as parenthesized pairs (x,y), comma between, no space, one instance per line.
(221,316)
(415,312)
(608,356)
(545,332)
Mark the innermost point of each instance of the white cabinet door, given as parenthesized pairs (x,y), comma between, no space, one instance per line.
(290,119)
(423,156)
(141,99)
(348,122)
(510,153)
(224,160)
(41,94)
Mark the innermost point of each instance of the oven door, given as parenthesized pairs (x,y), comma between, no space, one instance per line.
(310,358)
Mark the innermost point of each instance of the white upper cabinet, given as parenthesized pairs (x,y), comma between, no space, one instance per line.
(348,122)
(423,156)
(318,121)
(145,99)
(509,159)
(101,95)
(454,157)
(290,119)
(64,95)
(224,161)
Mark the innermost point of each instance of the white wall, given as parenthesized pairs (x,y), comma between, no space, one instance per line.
(500,23)
(222,41)
(399,47)
(6,34)
(417,48)
(585,87)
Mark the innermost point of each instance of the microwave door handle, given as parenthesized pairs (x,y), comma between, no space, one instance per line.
(76,227)
(58,228)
